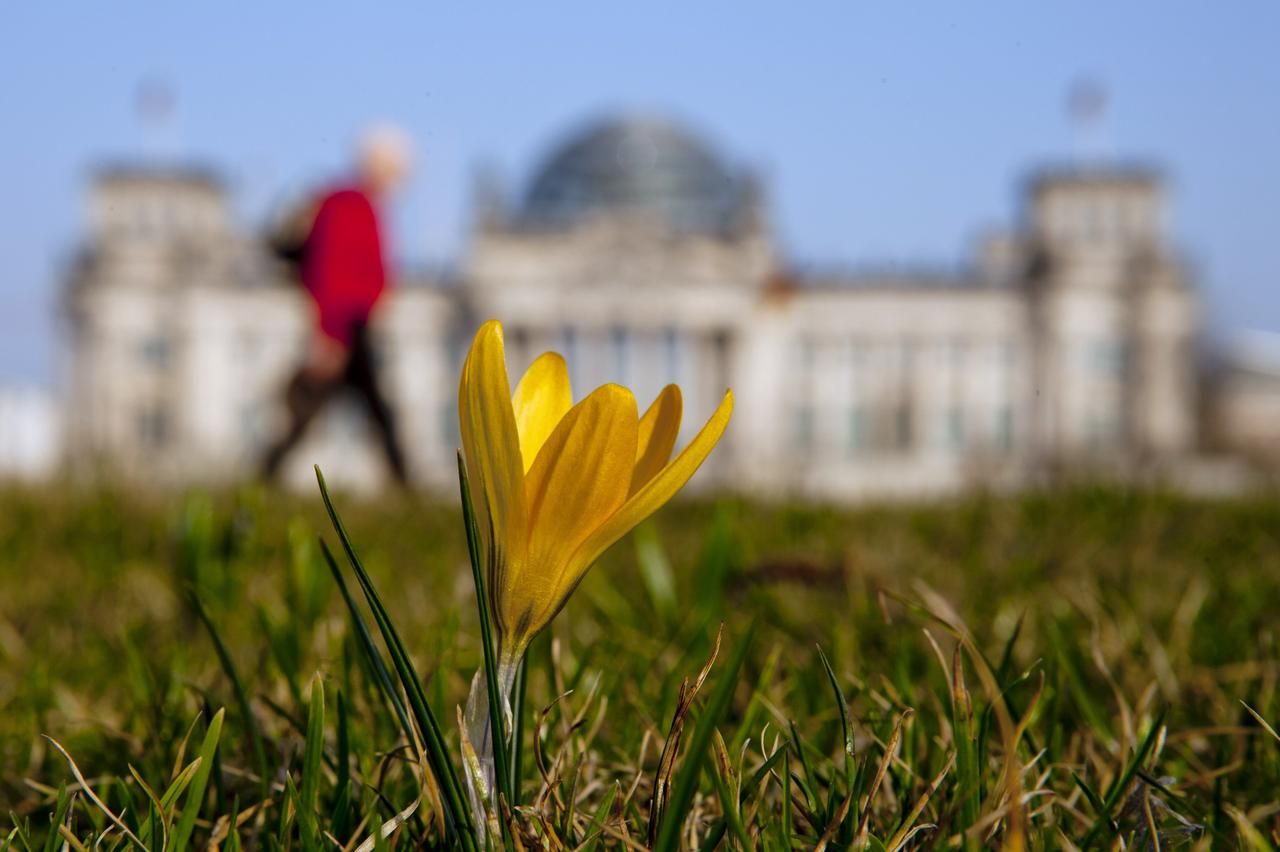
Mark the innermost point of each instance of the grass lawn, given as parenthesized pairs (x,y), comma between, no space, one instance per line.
(1075,669)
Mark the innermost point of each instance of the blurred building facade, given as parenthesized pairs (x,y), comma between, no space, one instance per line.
(1072,343)
(1243,404)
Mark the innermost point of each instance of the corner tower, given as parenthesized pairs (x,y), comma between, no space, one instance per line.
(1114,317)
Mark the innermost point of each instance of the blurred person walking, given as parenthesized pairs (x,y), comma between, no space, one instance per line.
(340,260)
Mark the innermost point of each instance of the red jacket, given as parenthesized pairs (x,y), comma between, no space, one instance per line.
(342,265)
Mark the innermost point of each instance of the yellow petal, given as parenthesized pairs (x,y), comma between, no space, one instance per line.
(659,428)
(542,398)
(579,479)
(657,491)
(492,449)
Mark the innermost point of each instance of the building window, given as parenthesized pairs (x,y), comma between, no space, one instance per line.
(1108,357)
(858,435)
(1089,226)
(519,337)
(955,428)
(155,351)
(1004,428)
(671,353)
(138,220)
(804,428)
(905,354)
(166,215)
(720,342)
(1107,221)
(153,427)
(902,427)
(1006,354)
(858,356)
(618,343)
(569,347)
(1103,429)
(806,354)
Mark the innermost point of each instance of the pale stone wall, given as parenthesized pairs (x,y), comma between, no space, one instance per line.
(897,390)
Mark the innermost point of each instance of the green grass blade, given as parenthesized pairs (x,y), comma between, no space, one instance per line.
(1076,685)
(655,572)
(1005,668)
(283,641)
(1094,799)
(162,806)
(968,778)
(810,785)
(367,643)
(342,803)
(728,801)
(686,780)
(784,828)
(155,824)
(843,705)
(716,564)
(59,817)
(764,769)
(233,831)
(383,683)
(457,810)
(599,819)
(1118,787)
(288,813)
(714,835)
(196,790)
(497,725)
(312,764)
(242,697)
(756,706)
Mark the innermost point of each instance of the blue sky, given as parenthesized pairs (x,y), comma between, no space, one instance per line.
(888,132)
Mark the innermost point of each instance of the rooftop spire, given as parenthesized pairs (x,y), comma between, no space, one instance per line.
(154,105)
(1086,105)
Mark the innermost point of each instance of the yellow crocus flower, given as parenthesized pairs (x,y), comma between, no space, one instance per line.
(555,484)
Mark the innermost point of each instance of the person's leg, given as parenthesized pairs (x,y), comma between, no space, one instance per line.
(363,378)
(304,397)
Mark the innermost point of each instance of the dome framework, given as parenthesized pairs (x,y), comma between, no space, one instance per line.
(635,166)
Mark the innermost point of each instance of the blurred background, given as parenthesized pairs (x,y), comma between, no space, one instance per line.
(931,247)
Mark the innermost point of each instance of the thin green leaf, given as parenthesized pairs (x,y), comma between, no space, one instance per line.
(600,819)
(457,810)
(686,780)
(195,792)
(312,763)
(1118,787)
(242,697)
(497,724)
(843,705)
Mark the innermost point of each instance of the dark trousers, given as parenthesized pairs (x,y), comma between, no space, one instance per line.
(306,397)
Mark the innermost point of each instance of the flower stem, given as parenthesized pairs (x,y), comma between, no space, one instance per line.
(484,789)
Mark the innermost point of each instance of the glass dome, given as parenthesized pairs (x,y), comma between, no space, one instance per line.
(634,165)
